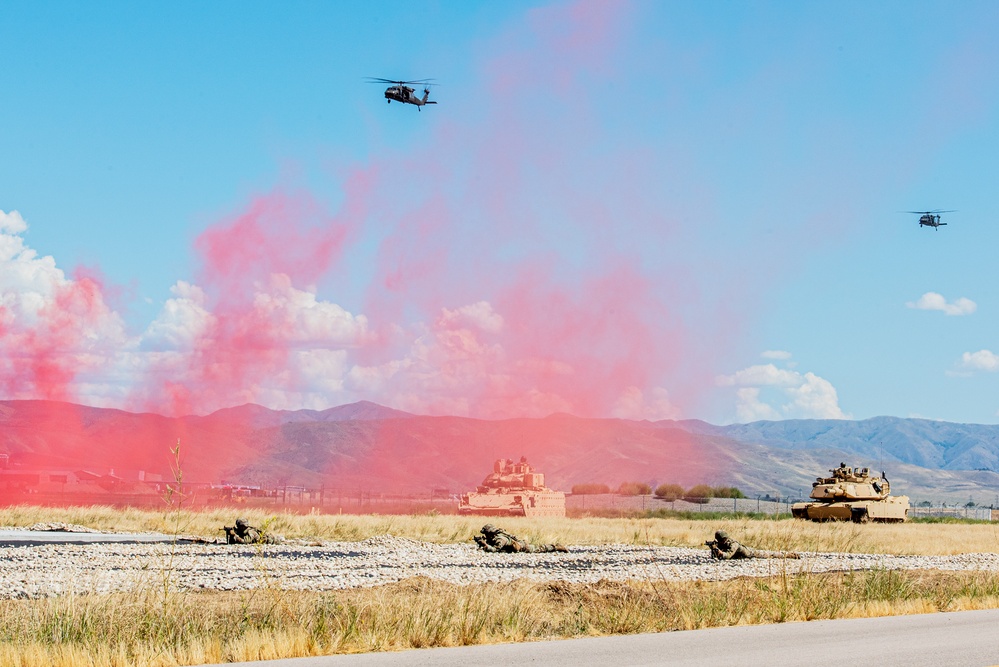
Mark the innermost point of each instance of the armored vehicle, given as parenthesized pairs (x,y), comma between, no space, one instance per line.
(853,495)
(513,489)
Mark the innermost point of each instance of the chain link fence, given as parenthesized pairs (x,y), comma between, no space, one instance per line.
(763,505)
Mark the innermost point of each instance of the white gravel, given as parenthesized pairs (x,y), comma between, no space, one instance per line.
(58,569)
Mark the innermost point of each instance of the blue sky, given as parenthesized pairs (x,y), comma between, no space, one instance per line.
(733,176)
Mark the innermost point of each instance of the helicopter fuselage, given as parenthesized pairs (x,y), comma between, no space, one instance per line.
(400,94)
(407,95)
(930,218)
(399,91)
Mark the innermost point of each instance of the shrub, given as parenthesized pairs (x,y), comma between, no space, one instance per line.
(634,489)
(589,489)
(669,491)
(727,492)
(698,494)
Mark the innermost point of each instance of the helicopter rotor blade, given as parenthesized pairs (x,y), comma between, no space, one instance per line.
(931,212)
(375,79)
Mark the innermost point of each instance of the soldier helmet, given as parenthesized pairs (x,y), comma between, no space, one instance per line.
(489,529)
(721,535)
(242,523)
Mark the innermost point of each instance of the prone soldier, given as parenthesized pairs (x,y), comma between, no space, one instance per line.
(244,533)
(724,547)
(493,539)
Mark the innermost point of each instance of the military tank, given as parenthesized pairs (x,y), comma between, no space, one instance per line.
(853,495)
(512,489)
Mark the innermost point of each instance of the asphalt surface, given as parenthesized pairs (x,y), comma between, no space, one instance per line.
(27,538)
(964,638)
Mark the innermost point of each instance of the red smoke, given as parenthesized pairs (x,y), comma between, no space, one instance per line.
(507,281)
(510,279)
(43,357)
(281,241)
(498,290)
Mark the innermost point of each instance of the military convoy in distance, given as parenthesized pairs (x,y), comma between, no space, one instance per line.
(512,489)
(853,495)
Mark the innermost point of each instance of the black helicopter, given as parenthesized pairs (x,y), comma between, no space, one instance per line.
(400,92)
(930,218)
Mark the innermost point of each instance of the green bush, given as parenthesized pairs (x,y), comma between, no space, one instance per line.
(634,489)
(669,492)
(698,494)
(727,492)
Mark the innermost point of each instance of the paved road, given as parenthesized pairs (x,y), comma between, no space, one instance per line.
(31,538)
(965,639)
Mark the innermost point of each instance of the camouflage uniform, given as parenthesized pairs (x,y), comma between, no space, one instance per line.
(725,548)
(244,533)
(495,539)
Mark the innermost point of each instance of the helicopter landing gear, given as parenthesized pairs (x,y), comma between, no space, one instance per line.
(388,101)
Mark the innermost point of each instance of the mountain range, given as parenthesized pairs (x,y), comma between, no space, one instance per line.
(368,447)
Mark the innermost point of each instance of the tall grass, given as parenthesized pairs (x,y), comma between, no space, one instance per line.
(134,629)
(157,625)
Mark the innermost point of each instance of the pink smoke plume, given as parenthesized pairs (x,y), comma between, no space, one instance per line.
(511,274)
(507,272)
(499,287)
(46,350)
(521,221)
(252,320)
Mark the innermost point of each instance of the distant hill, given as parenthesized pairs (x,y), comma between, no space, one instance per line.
(368,447)
(921,442)
(925,458)
(258,416)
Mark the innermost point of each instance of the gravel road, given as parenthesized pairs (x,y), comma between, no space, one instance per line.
(56,569)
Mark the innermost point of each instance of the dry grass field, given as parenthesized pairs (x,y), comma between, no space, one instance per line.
(157,628)
(909,538)
(162,626)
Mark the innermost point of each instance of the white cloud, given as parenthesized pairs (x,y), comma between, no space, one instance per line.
(372,380)
(767,392)
(934,301)
(276,344)
(480,315)
(763,375)
(56,334)
(12,223)
(306,319)
(983,360)
(182,320)
(300,357)
(779,355)
(750,408)
(27,281)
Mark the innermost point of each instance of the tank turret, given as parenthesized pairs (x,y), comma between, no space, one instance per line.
(513,489)
(853,494)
